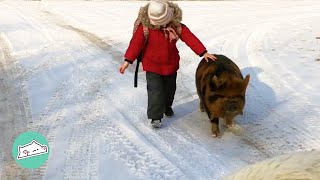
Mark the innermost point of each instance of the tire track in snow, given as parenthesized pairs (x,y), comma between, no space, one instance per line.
(83,141)
(23,74)
(81,154)
(262,145)
(57,113)
(120,138)
(15,111)
(289,134)
(182,150)
(72,163)
(73,160)
(263,106)
(251,152)
(31,21)
(54,112)
(143,161)
(94,39)
(294,120)
(260,110)
(50,62)
(166,145)
(75,157)
(104,45)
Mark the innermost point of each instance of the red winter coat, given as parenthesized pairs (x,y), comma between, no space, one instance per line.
(160,55)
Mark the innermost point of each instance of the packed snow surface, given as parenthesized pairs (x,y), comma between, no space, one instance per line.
(59,76)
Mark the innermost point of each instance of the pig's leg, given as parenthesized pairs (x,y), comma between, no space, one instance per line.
(230,122)
(199,94)
(201,101)
(215,127)
(201,105)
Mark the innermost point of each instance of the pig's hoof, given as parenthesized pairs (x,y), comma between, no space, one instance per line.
(216,134)
(231,125)
(201,109)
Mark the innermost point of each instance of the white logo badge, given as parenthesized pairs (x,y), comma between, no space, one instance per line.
(31,149)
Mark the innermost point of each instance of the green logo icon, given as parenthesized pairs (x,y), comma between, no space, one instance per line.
(30,150)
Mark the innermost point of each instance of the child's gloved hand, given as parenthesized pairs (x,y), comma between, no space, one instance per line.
(124,66)
(208,56)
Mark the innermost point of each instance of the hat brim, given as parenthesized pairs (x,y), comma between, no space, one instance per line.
(162,20)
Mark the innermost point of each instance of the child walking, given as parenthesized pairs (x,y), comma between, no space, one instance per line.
(162,21)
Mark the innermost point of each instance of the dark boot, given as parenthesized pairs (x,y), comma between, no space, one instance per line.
(156,123)
(169,112)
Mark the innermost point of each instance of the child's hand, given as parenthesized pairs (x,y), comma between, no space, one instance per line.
(123,67)
(208,56)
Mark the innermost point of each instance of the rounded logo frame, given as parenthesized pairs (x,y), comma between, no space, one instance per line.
(30,150)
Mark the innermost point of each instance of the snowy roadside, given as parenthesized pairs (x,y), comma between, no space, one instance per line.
(64,58)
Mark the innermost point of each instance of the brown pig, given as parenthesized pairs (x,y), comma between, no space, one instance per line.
(221,89)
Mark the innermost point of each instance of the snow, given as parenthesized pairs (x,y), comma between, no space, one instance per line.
(59,64)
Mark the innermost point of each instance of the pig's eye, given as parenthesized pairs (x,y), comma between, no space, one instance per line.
(238,97)
(214,97)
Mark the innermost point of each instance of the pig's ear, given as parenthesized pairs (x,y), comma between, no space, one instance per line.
(216,81)
(246,81)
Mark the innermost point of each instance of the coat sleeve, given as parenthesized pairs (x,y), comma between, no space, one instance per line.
(192,41)
(136,45)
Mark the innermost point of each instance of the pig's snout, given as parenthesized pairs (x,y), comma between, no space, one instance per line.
(232,106)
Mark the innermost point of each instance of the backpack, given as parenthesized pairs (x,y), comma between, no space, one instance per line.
(146,34)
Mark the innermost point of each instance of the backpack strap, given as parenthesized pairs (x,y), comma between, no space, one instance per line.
(179,29)
(146,34)
(139,59)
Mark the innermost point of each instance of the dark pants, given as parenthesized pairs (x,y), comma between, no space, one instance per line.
(161,91)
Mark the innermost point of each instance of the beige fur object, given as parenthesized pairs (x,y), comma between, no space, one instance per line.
(293,166)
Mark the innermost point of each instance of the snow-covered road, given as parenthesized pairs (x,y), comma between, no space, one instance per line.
(59,76)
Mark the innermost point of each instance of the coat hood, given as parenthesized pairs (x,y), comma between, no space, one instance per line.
(176,20)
